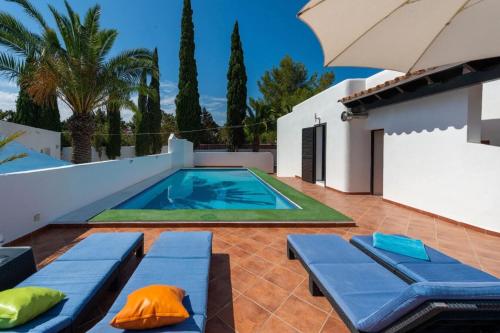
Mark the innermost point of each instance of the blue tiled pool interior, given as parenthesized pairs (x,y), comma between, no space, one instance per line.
(237,189)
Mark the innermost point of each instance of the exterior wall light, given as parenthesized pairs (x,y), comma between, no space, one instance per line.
(349,115)
(317,119)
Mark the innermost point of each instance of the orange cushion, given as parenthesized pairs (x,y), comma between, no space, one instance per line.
(151,307)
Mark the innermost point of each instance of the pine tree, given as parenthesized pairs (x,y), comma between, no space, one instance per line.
(208,122)
(142,140)
(154,108)
(188,110)
(114,143)
(236,92)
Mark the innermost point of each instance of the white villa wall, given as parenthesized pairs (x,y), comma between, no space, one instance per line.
(429,163)
(31,200)
(346,143)
(37,139)
(432,157)
(491,112)
(261,160)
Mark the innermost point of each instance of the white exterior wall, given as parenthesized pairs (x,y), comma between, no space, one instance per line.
(37,139)
(491,112)
(429,163)
(261,160)
(347,144)
(33,199)
(432,158)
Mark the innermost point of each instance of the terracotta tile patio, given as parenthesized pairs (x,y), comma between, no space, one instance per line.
(254,288)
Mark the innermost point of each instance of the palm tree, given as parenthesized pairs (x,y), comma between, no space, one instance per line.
(73,63)
(5,141)
(256,122)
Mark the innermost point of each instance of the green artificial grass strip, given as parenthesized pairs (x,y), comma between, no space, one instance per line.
(312,210)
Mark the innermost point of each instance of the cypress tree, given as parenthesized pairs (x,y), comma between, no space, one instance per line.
(236,92)
(114,144)
(154,108)
(31,114)
(27,112)
(188,110)
(142,140)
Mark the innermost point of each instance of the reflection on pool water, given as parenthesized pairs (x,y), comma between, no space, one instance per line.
(209,189)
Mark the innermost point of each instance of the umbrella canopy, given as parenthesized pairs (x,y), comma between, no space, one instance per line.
(404,35)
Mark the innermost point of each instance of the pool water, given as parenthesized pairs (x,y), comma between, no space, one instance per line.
(209,189)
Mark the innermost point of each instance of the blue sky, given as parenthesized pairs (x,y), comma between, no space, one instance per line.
(269,30)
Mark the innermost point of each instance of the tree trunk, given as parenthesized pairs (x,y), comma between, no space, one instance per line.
(82,127)
(256,143)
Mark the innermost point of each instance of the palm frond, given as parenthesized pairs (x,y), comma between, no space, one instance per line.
(65,29)
(13,157)
(128,65)
(16,37)
(5,141)
(106,40)
(10,66)
(31,11)
(91,22)
(73,17)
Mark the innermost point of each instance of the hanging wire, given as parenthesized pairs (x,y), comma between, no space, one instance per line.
(183,132)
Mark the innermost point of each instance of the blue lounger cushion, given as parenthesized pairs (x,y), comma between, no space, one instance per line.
(197,244)
(104,246)
(393,259)
(419,293)
(192,275)
(43,324)
(455,272)
(314,249)
(401,245)
(78,280)
(194,324)
(359,288)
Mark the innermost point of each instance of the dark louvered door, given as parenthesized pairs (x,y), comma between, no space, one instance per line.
(308,158)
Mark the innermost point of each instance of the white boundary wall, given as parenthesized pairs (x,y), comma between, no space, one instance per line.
(261,160)
(31,200)
(37,139)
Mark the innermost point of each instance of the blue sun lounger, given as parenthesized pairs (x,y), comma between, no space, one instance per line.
(181,259)
(370,298)
(439,268)
(84,274)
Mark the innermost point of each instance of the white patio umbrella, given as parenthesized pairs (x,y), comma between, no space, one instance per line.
(404,35)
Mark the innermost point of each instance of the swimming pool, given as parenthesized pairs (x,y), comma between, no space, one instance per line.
(210,189)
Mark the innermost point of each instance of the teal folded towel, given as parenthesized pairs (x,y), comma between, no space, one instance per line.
(401,245)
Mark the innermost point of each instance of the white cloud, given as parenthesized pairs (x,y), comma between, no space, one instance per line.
(64,110)
(8,84)
(217,106)
(8,94)
(8,100)
(214,104)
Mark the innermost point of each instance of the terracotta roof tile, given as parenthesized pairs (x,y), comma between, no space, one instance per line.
(387,84)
